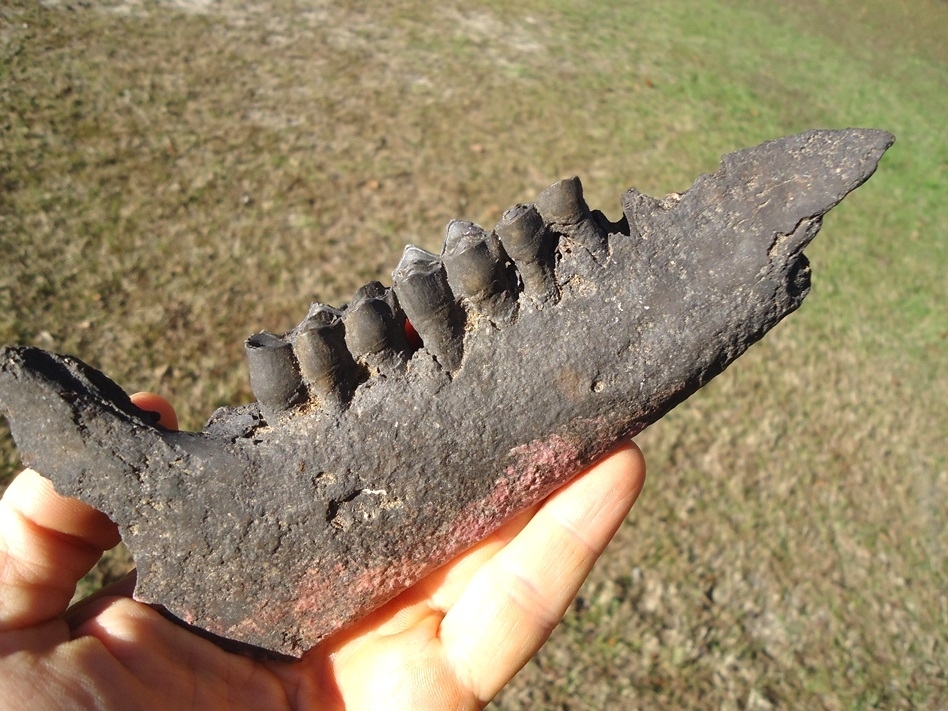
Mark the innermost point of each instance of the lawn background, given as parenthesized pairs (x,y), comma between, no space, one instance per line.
(177,175)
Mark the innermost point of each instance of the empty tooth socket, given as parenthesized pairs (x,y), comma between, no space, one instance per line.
(477,268)
(274,374)
(562,207)
(421,285)
(324,360)
(525,238)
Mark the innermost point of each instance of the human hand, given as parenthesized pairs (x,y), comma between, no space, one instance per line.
(451,641)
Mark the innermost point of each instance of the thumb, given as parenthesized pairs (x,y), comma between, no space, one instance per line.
(48,542)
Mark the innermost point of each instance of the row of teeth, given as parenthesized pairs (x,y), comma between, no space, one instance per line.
(478,273)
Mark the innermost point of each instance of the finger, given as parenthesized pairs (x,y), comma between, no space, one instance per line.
(179,667)
(446,586)
(47,543)
(512,604)
(162,409)
(432,596)
(85,609)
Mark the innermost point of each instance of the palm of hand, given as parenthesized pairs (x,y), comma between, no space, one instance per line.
(450,642)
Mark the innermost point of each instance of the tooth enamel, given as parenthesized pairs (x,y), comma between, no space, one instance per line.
(527,241)
(472,271)
(374,289)
(365,328)
(564,209)
(274,374)
(320,347)
(562,203)
(369,330)
(476,265)
(421,285)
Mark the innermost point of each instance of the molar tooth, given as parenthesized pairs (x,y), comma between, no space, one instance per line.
(374,289)
(477,268)
(389,307)
(375,327)
(564,209)
(275,378)
(366,330)
(421,285)
(562,203)
(530,245)
(324,360)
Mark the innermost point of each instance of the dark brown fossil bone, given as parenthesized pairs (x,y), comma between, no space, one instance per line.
(366,464)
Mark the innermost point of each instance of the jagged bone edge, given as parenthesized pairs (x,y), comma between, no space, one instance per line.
(478,275)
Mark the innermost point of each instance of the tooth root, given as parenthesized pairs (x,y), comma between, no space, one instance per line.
(530,245)
(476,265)
(324,360)
(421,285)
(563,208)
(275,378)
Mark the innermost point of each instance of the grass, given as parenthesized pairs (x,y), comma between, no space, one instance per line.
(172,181)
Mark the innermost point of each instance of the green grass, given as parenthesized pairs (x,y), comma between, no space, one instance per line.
(171,182)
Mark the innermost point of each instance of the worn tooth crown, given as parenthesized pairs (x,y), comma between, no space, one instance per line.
(366,327)
(565,211)
(275,378)
(477,268)
(374,289)
(423,292)
(527,241)
(375,327)
(562,203)
(522,233)
(421,284)
(324,360)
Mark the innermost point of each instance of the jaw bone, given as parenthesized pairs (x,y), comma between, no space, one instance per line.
(369,460)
